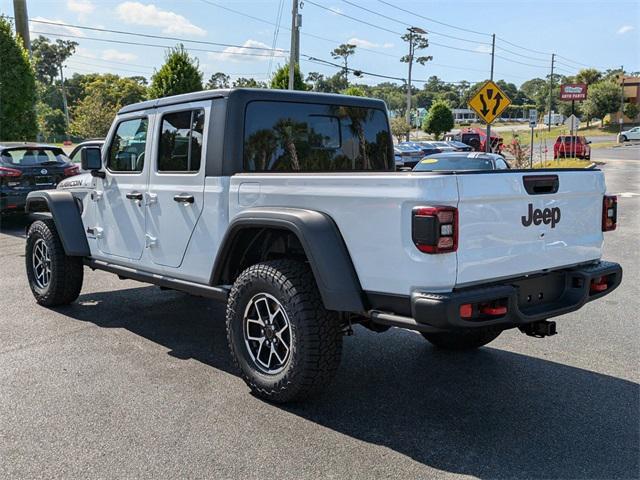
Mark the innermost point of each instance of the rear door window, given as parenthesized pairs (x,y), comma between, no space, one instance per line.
(181,141)
(304,137)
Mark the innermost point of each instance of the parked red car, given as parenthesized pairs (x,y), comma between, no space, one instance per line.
(572,146)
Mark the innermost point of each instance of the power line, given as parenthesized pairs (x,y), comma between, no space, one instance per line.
(126,42)
(384,28)
(276,31)
(523,48)
(405,24)
(306,34)
(146,35)
(521,63)
(434,20)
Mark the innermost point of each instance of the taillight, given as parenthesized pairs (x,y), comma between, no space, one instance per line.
(9,172)
(71,171)
(435,229)
(609,213)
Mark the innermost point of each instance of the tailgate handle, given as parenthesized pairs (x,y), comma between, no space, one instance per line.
(541,184)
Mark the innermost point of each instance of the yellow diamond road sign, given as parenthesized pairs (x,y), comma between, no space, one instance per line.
(489,102)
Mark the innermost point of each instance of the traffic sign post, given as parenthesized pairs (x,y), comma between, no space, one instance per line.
(488,103)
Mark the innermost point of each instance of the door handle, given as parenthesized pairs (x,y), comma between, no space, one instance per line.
(183,198)
(134,196)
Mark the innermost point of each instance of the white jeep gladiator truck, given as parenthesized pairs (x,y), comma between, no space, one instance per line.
(286,206)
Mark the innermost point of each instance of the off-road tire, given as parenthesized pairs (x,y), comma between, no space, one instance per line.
(316,336)
(466,340)
(67,272)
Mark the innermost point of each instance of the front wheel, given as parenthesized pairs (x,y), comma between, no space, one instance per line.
(285,343)
(466,340)
(623,138)
(54,278)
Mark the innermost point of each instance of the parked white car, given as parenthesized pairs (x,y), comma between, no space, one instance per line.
(631,134)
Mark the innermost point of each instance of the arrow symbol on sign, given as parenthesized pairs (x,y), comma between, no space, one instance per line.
(498,99)
(489,93)
(484,110)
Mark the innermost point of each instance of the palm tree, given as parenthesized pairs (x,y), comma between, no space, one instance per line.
(261,144)
(288,132)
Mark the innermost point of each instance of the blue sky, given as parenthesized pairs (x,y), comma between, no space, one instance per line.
(603,33)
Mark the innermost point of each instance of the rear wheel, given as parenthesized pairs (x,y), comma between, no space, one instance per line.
(54,277)
(286,345)
(465,340)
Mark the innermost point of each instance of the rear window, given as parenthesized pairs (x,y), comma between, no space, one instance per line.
(25,157)
(453,163)
(303,137)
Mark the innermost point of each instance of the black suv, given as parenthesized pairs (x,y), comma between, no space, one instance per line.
(27,167)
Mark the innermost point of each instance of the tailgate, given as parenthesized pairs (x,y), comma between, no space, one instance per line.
(515,223)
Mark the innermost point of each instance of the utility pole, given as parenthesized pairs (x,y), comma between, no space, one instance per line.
(22,22)
(411,30)
(64,101)
(487,144)
(553,61)
(294,52)
(621,121)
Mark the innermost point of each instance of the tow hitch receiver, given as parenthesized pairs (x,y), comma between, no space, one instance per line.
(541,329)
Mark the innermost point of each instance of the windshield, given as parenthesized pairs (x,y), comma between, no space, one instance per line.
(25,157)
(453,163)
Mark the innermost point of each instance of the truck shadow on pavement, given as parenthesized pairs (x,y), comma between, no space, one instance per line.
(489,413)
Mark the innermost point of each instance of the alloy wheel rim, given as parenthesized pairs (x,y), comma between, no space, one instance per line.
(267,333)
(41,261)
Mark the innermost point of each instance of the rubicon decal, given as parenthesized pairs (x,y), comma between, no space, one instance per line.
(538,216)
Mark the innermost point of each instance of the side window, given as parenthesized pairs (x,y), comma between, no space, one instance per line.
(307,137)
(126,152)
(501,164)
(181,141)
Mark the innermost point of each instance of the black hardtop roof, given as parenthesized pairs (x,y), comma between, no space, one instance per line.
(249,94)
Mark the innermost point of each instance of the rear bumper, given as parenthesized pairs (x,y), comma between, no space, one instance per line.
(527,300)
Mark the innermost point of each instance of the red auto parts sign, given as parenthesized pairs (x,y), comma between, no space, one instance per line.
(573,91)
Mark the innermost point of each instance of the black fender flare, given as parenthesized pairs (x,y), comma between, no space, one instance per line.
(66,216)
(323,245)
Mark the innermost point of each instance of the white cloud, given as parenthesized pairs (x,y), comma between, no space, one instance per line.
(82,7)
(624,29)
(85,52)
(359,42)
(49,28)
(238,54)
(149,15)
(483,49)
(117,55)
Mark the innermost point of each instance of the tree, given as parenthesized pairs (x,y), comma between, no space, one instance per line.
(179,74)
(399,128)
(603,98)
(17,88)
(439,119)
(344,51)
(588,76)
(104,96)
(354,91)
(242,82)
(320,83)
(280,78)
(420,42)
(218,80)
(51,122)
(49,57)
(631,110)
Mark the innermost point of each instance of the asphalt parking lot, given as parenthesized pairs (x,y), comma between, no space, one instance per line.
(132,381)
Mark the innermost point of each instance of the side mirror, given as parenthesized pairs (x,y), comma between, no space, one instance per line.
(91,160)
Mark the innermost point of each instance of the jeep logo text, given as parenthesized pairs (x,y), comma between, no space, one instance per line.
(537,216)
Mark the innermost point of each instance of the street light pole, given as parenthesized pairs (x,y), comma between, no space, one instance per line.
(22,22)
(411,30)
(553,61)
(294,54)
(621,121)
(487,144)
